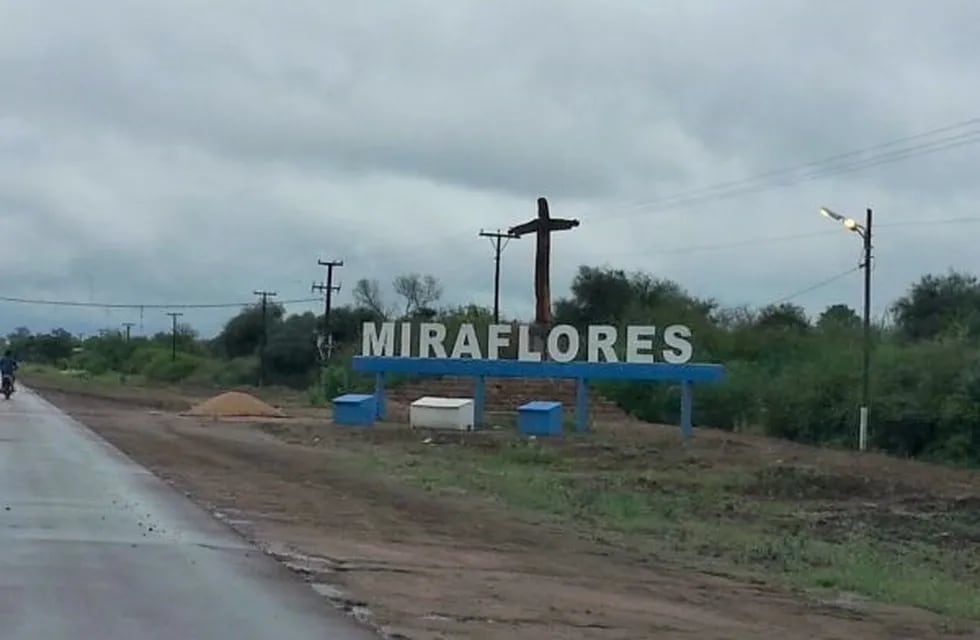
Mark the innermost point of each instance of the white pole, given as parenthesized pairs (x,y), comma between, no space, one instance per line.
(863,434)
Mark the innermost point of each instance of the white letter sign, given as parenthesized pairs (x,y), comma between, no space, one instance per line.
(555,335)
(431,337)
(378,343)
(524,345)
(498,337)
(639,338)
(563,343)
(675,336)
(466,343)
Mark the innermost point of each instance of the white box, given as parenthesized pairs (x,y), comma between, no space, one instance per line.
(430,412)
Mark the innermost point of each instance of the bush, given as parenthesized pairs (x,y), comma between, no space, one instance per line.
(92,362)
(926,400)
(162,368)
(337,380)
(225,373)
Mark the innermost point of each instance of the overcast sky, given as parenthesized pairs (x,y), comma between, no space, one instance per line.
(192,152)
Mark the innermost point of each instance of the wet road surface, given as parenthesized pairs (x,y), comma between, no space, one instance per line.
(92,546)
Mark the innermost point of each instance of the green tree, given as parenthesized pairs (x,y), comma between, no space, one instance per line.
(838,317)
(420,292)
(242,335)
(346,322)
(602,295)
(936,306)
(291,353)
(785,317)
(367,295)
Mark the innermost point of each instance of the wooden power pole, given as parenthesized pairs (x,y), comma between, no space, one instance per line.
(328,288)
(496,239)
(173,334)
(265,295)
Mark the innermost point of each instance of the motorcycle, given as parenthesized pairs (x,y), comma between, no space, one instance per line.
(7,387)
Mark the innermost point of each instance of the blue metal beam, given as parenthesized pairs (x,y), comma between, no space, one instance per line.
(692,372)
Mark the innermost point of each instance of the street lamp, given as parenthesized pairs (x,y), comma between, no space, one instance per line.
(865,232)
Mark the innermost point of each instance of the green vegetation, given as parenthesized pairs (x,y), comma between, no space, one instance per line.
(743,514)
(789,375)
(725,514)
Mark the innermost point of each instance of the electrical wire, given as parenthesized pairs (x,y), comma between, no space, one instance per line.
(746,242)
(810,171)
(840,156)
(814,286)
(823,173)
(759,240)
(112,305)
(787,176)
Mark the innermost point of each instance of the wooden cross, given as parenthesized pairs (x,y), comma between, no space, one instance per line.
(543,225)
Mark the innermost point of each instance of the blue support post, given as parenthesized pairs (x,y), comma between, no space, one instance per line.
(581,405)
(479,401)
(686,374)
(379,393)
(687,409)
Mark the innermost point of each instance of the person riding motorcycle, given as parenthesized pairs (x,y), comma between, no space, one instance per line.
(8,366)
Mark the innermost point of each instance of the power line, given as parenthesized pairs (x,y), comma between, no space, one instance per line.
(110,305)
(810,171)
(823,173)
(759,240)
(805,172)
(814,286)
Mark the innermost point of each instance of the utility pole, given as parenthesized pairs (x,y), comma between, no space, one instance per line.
(865,232)
(496,239)
(265,333)
(173,334)
(866,381)
(328,288)
(129,326)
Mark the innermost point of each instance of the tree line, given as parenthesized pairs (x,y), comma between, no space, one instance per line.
(789,375)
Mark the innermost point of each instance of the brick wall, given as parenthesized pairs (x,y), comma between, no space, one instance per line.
(504,395)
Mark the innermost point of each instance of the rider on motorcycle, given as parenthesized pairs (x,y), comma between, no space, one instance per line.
(8,366)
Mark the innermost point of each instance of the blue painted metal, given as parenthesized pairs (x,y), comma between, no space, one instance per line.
(540,418)
(698,372)
(686,374)
(687,409)
(379,393)
(479,400)
(354,409)
(581,405)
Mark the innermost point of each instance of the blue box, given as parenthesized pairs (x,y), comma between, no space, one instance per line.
(354,409)
(540,418)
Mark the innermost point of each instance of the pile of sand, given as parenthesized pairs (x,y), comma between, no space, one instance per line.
(235,405)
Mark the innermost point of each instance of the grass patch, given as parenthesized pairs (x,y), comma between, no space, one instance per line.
(137,388)
(752,523)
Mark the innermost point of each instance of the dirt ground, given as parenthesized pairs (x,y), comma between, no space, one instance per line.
(425,566)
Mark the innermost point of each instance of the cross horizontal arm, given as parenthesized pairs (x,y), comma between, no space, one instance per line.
(527,227)
(560,224)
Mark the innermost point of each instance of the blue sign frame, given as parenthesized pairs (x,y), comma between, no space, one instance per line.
(581,372)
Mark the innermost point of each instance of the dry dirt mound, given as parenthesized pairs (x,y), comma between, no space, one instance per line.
(235,405)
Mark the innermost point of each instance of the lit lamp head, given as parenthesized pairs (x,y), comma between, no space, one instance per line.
(849,223)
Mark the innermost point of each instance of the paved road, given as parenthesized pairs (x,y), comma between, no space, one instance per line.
(94,547)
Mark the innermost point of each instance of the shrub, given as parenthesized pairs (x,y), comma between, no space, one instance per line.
(162,368)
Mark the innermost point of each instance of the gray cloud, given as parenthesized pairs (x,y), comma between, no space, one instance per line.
(195,151)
